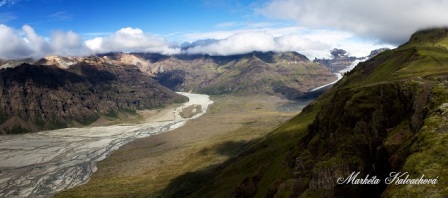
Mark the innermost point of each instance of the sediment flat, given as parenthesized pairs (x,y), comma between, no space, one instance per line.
(41,164)
(165,164)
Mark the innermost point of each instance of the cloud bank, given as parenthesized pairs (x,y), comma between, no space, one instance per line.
(132,40)
(356,26)
(246,42)
(389,21)
(26,43)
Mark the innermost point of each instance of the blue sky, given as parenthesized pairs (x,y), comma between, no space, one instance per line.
(91,18)
(36,28)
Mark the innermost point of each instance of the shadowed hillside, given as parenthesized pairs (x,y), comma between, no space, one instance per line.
(37,97)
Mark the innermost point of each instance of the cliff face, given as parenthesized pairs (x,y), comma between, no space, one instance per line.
(39,97)
(387,115)
(285,73)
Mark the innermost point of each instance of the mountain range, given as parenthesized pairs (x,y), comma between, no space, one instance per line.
(57,92)
(289,74)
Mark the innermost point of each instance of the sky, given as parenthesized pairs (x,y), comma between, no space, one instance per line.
(37,28)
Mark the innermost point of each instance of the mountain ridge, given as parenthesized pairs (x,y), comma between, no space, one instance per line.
(41,97)
(219,74)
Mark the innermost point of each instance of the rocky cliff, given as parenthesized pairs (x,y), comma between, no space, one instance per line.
(60,92)
(387,115)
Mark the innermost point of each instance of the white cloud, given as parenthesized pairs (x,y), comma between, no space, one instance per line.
(68,43)
(13,46)
(131,40)
(237,44)
(26,43)
(310,42)
(246,42)
(37,44)
(389,21)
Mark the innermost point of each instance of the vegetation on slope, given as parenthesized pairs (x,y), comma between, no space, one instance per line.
(387,115)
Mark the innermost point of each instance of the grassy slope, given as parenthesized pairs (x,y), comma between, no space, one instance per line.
(265,157)
(415,68)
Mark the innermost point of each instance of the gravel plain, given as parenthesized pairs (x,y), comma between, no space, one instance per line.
(41,164)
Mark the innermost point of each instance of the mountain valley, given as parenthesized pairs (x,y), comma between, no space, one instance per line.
(387,115)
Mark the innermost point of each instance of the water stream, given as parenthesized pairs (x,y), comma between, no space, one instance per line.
(340,74)
(41,164)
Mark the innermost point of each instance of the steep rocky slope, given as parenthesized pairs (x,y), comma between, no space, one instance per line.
(387,115)
(285,73)
(76,91)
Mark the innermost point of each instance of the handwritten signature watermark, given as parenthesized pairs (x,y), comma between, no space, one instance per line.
(397,178)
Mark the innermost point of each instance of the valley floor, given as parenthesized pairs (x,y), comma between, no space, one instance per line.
(167,163)
(39,164)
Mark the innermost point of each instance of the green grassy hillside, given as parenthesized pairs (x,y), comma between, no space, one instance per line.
(387,115)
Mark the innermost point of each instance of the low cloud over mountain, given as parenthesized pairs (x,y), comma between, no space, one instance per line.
(26,43)
(132,40)
(321,25)
(241,43)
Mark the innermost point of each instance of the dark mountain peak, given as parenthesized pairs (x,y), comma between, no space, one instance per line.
(291,56)
(375,52)
(339,61)
(432,37)
(151,57)
(13,63)
(338,53)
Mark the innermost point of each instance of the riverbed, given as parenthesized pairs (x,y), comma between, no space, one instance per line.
(41,164)
(340,74)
